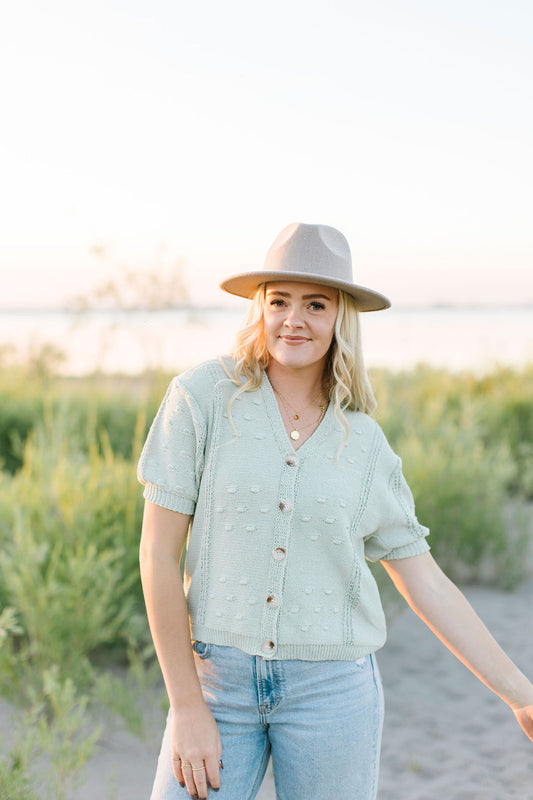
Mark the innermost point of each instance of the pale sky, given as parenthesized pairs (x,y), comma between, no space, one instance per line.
(162,130)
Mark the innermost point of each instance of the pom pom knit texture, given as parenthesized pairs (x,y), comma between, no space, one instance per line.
(276,555)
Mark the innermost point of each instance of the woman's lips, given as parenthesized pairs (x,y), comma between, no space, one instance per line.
(293,340)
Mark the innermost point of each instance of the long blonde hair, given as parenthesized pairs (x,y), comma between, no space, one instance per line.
(345,378)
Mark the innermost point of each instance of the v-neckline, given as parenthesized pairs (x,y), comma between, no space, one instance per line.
(283,438)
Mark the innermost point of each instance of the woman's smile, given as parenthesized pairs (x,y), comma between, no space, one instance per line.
(292,340)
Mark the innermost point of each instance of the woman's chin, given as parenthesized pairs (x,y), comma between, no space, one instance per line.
(294,360)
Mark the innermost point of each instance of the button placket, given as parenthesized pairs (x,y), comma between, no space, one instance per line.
(273,601)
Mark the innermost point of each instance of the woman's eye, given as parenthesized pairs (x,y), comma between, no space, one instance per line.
(316,305)
(277,303)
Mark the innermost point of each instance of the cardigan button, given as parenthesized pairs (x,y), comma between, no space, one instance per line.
(278,554)
(292,460)
(285,506)
(273,601)
(268,647)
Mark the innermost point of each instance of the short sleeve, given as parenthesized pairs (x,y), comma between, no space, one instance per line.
(397,532)
(172,460)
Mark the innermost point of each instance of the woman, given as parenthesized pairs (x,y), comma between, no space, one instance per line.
(287,484)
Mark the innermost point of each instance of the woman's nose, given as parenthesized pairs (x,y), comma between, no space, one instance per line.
(293,318)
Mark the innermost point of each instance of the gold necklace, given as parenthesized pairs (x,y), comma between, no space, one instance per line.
(295,433)
(296,414)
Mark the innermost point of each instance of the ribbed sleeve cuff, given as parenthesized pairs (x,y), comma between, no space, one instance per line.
(415,548)
(170,500)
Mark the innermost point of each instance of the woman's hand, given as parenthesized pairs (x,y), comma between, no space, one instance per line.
(524,716)
(196,741)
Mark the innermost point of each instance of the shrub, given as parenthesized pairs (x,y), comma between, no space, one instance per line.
(91,409)
(460,475)
(68,559)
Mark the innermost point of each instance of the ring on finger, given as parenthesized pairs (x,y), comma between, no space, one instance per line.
(197,769)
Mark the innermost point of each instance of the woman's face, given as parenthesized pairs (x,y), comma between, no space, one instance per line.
(299,320)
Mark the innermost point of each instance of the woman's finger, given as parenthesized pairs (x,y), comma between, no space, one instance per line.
(212,767)
(188,775)
(176,768)
(200,781)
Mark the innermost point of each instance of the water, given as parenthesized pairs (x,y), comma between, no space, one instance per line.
(130,342)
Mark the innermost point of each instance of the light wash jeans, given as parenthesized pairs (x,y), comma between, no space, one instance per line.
(320,720)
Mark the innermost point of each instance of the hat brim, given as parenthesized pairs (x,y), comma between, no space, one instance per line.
(246,284)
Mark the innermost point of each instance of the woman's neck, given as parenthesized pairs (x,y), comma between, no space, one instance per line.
(302,385)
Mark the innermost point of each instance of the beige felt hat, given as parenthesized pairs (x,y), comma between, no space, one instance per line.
(308,254)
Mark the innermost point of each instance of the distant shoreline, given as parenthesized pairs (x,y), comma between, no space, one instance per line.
(111,339)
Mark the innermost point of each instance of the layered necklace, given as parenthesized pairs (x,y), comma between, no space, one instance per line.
(293,415)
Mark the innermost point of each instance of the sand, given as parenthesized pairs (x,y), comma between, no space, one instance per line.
(445,735)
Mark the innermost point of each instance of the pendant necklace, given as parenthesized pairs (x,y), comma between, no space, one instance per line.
(295,415)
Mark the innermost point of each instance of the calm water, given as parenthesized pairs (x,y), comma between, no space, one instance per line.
(455,338)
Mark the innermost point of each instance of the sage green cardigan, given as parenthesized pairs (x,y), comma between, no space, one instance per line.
(276,559)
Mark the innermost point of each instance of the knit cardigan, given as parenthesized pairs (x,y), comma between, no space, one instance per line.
(276,554)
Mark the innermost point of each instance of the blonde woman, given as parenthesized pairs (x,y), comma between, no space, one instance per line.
(271,464)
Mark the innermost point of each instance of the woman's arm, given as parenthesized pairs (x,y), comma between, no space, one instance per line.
(447,612)
(195,737)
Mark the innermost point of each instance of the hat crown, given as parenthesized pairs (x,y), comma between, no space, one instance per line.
(318,250)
